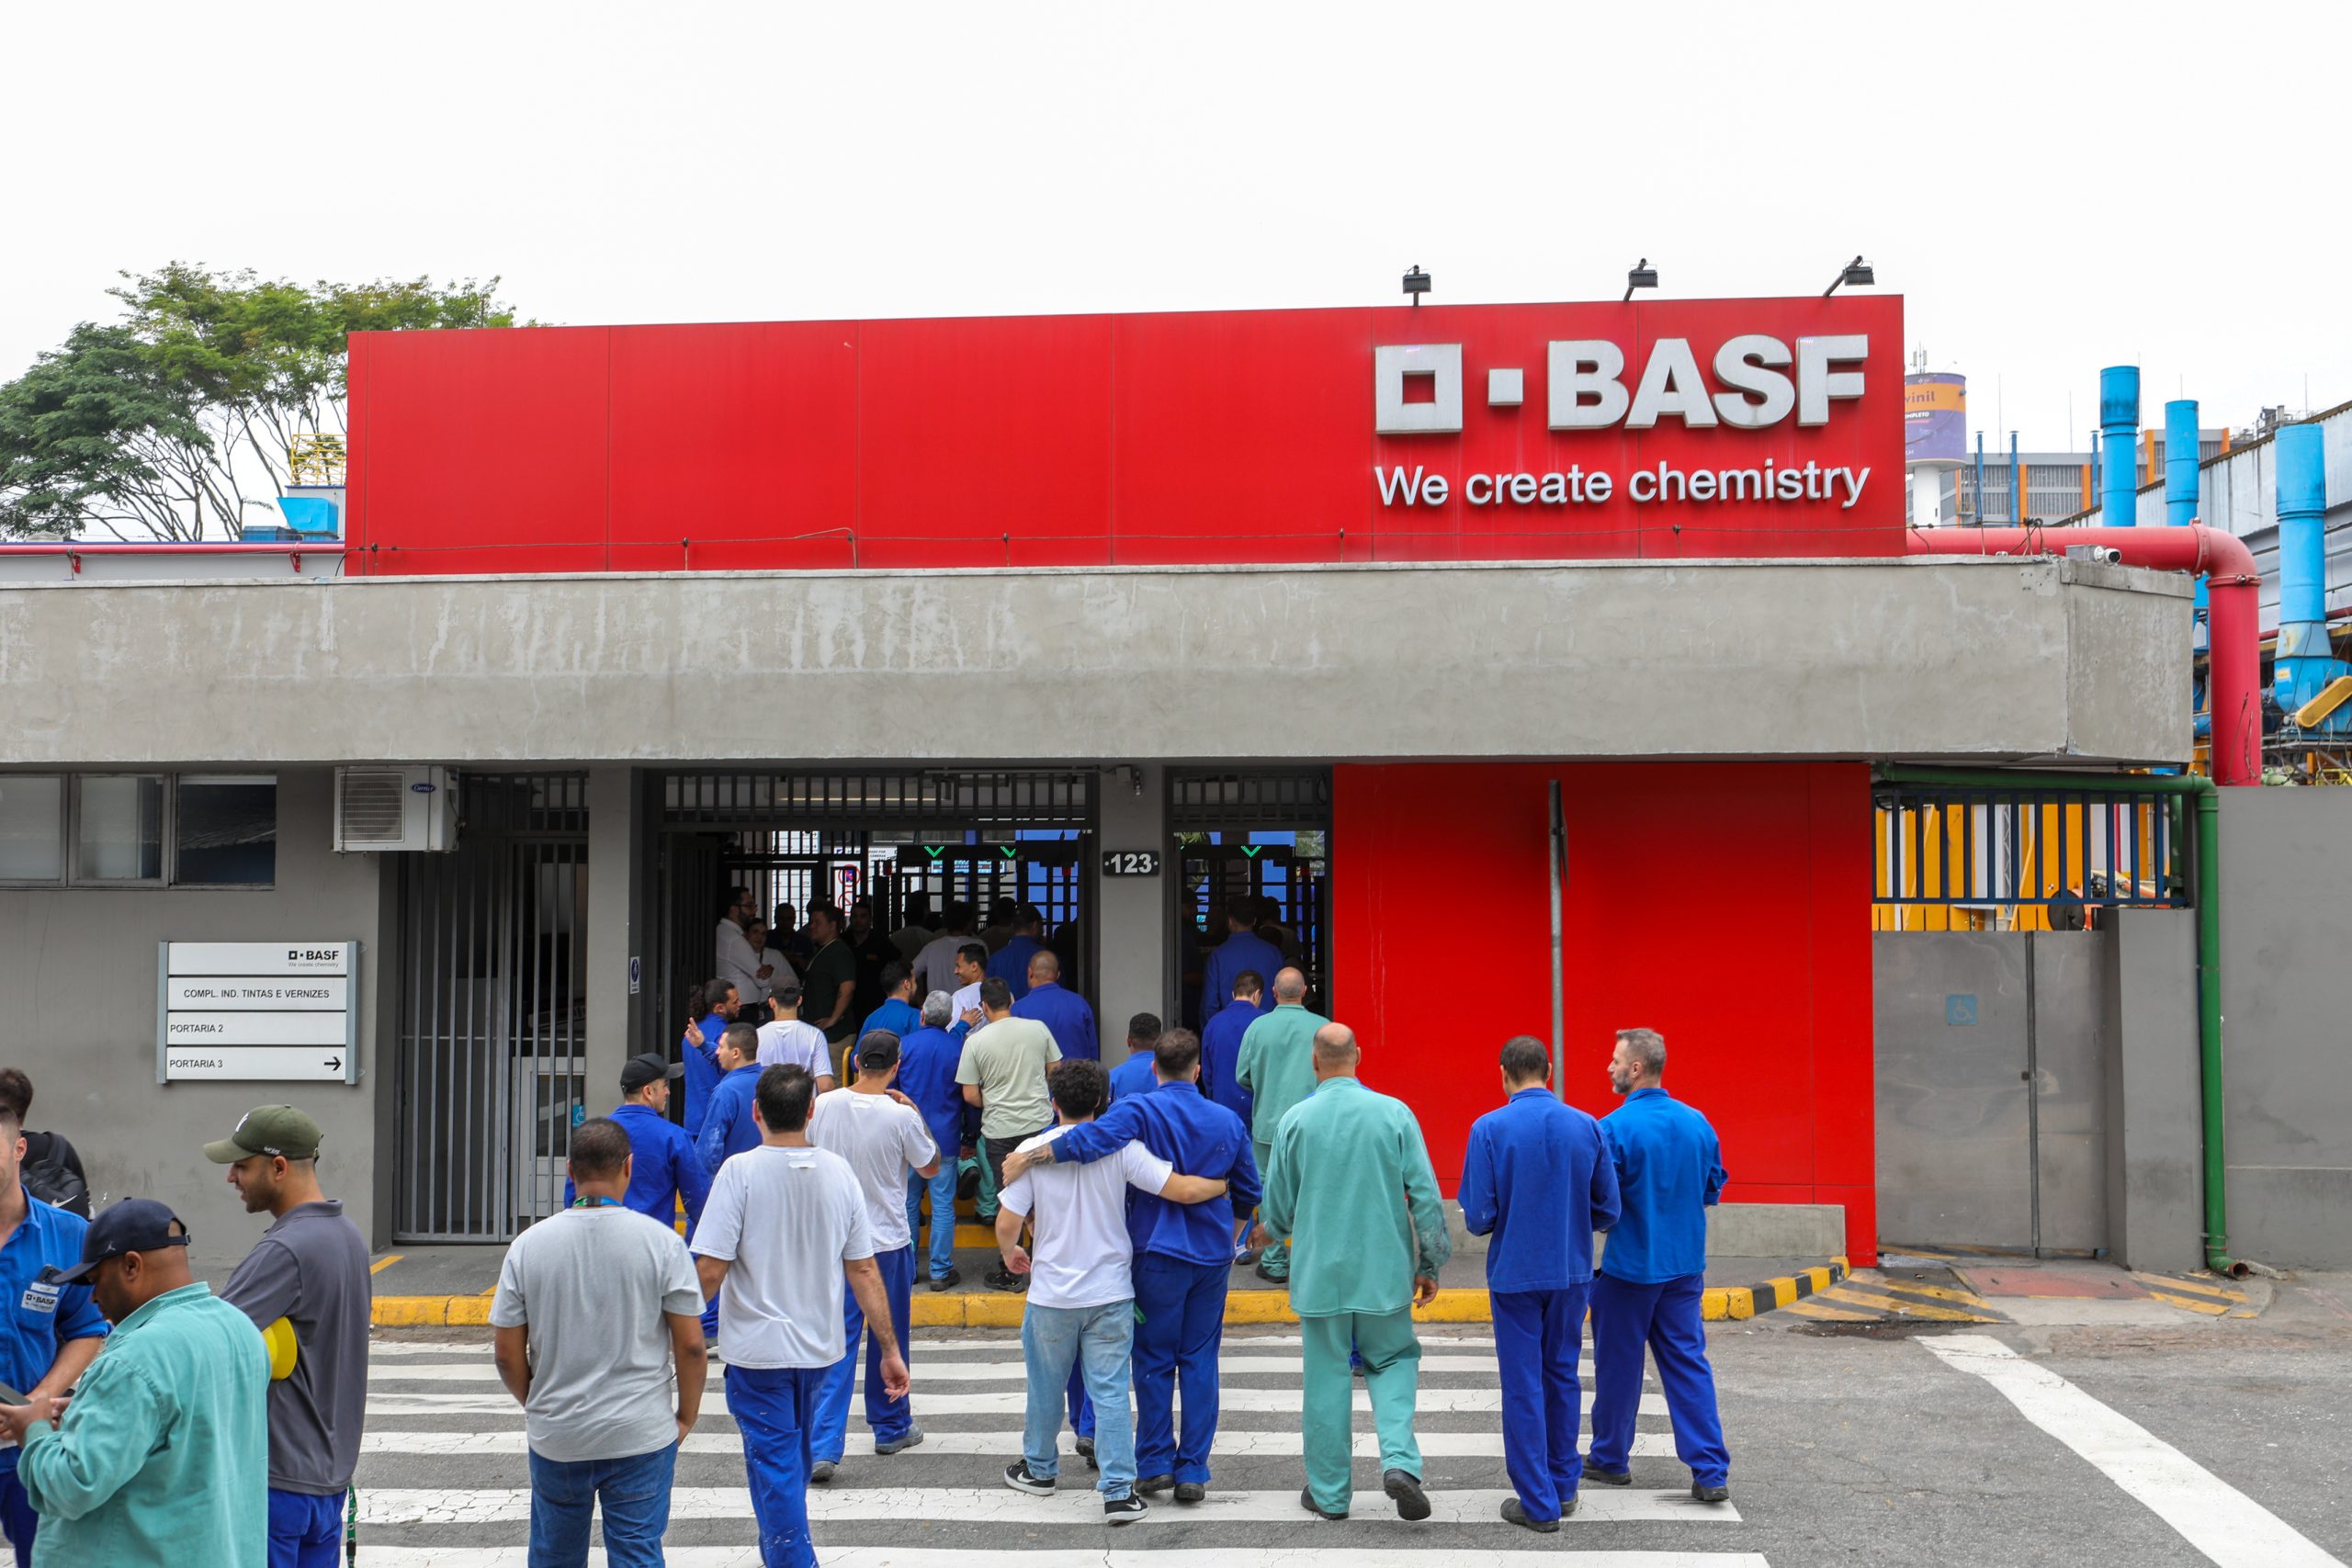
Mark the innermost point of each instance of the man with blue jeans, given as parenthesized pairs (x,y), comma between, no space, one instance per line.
(1081,1292)
(1654,1274)
(1183,1257)
(1539,1180)
(595,1307)
(49,1332)
(927,1077)
(785,1227)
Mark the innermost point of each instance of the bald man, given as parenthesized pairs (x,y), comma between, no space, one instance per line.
(1277,1066)
(1064,1014)
(1350,1185)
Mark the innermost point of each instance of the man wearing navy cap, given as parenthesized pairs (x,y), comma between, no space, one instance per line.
(48,1331)
(665,1169)
(162,1454)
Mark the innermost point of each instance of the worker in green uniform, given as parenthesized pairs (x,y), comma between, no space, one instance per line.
(1277,1065)
(1350,1183)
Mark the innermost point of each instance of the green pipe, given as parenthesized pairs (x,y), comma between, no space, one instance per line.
(2201,793)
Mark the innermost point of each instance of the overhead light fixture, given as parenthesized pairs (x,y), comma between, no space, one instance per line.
(1642,276)
(1856,276)
(1417,283)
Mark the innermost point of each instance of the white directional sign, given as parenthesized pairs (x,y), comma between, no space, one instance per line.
(258,1010)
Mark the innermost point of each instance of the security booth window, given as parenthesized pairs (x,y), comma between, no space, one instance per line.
(225,830)
(32,828)
(120,833)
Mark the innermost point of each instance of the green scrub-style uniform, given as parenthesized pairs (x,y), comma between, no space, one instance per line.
(1276,1065)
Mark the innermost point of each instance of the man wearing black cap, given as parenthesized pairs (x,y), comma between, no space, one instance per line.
(665,1169)
(162,1454)
(309,1268)
(48,1331)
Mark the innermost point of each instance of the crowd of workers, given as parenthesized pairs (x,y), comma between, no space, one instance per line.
(159,1422)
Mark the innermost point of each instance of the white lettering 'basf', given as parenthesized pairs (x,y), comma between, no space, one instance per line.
(1817,384)
(1439,414)
(1582,369)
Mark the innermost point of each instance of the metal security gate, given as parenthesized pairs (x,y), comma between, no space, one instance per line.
(492,1010)
(1265,834)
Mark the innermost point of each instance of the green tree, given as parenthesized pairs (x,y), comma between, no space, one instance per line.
(176,422)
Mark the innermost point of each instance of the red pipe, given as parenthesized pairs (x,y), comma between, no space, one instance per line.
(172,547)
(2232,584)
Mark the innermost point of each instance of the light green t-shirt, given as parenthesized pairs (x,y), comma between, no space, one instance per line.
(1008,1059)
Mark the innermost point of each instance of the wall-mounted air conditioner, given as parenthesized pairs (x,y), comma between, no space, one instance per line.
(382,808)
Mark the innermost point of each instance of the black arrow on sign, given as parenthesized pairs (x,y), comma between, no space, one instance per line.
(335,1064)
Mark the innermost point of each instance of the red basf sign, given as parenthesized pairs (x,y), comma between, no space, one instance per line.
(1703,428)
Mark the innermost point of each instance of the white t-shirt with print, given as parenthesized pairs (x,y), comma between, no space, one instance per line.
(788,1040)
(786,1219)
(1081,1254)
(883,1141)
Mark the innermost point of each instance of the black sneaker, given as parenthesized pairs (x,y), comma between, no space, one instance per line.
(1086,1452)
(1124,1510)
(1004,1279)
(1307,1501)
(900,1445)
(1269,1275)
(1706,1493)
(1606,1477)
(1514,1513)
(949,1280)
(1017,1477)
(1152,1485)
(1405,1490)
(1191,1491)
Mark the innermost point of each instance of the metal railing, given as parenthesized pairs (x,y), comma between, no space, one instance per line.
(2019,858)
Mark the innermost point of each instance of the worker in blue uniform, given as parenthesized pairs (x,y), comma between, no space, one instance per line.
(1220,1079)
(1538,1181)
(729,1128)
(927,1061)
(665,1169)
(1011,963)
(897,1013)
(1134,1075)
(1064,1014)
(700,1047)
(1182,1256)
(1652,1274)
(1242,948)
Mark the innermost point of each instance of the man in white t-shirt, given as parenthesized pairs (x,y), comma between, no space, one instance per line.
(747,971)
(594,1306)
(1081,1296)
(785,1226)
(882,1136)
(786,1042)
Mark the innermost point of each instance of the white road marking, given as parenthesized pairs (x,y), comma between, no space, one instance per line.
(1428,1401)
(1431,1334)
(930,1371)
(1002,1505)
(2230,1527)
(945,1557)
(996,1443)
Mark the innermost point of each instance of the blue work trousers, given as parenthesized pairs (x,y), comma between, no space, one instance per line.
(889,1418)
(306,1531)
(17,1521)
(774,1410)
(1097,1342)
(1182,1308)
(1538,1338)
(1664,1317)
(941,1188)
(634,1493)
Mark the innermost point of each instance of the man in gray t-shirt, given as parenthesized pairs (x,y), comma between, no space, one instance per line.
(305,1280)
(594,1306)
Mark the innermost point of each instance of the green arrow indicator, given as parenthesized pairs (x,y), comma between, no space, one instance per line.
(935,850)
(1251,850)
(1007,851)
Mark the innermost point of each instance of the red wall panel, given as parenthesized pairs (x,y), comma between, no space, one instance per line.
(1061,440)
(1724,904)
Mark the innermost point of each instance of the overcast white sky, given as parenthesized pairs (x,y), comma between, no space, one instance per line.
(2054,188)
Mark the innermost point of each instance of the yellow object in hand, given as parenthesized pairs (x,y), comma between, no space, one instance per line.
(279,1337)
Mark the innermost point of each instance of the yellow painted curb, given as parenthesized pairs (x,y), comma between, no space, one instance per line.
(431,1312)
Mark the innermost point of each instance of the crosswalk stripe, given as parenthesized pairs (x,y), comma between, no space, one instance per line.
(947,1557)
(1002,1505)
(995,1442)
(923,1342)
(930,1371)
(1428,1401)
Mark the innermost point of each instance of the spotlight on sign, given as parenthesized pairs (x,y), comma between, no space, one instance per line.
(1417,283)
(1642,276)
(1858,275)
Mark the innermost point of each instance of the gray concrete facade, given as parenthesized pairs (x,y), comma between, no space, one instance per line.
(2155,1184)
(1989,661)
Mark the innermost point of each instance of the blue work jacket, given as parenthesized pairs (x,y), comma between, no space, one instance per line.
(1066,1017)
(664,1166)
(1538,1179)
(1012,965)
(1670,1172)
(1133,1076)
(40,1316)
(927,1061)
(1242,949)
(898,1017)
(1197,1136)
(730,1129)
(1221,1055)
(702,1073)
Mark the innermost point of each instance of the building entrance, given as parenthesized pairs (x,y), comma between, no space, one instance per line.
(1264,835)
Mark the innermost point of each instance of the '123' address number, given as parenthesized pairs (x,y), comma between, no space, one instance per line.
(1130,863)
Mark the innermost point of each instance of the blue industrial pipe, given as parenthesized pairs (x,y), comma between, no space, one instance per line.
(2183,472)
(2118,419)
(2306,661)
